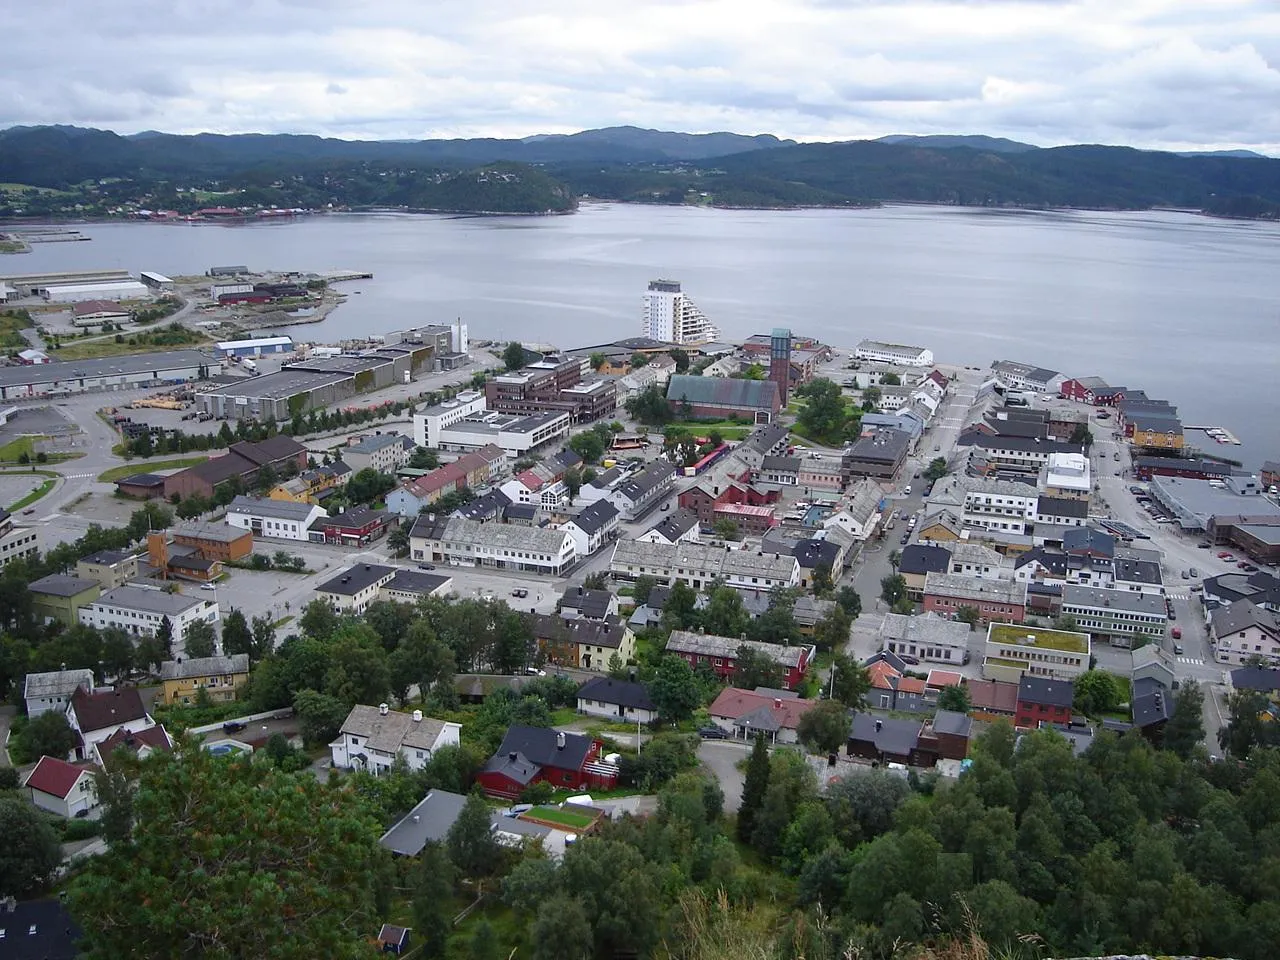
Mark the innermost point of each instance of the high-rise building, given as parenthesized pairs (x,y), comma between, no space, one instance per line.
(780,360)
(672,317)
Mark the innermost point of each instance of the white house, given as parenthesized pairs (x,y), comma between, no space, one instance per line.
(274,519)
(616,700)
(593,527)
(140,611)
(859,512)
(372,737)
(461,542)
(428,424)
(352,590)
(52,691)
(899,353)
(62,788)
(1243,629)
(96,716)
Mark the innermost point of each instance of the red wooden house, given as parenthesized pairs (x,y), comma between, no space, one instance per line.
(530,755)
(1041,700)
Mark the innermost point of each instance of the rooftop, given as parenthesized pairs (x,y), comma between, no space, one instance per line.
(1130,601)
(149,601)
(204,667)
(1018,635)
(356,579)
(498,536)
(979,589)
(619,692)
(61,585)
(389,732)
(128,365)
(925,628)
(1042,690)
(273,509)
(721,391)
(216,532)
(428,822)
(708,644)
(56,683)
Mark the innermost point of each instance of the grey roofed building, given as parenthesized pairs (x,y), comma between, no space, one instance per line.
(889,735)
(589,603)
(148,600)
(1088,539)
(376,442)
(952,723)
(1153,661)
(497,536)
(488,506)
(1137,571)
(1151,703)
(61,585)
(595,517)
(274,509)
(1080,737)
(1129,601)
(1195,503)
(676,525)
(205,667)
(388,733)
(926,628)
(217,532)
(974,554)
(355,579)
(1053,561)
(636,486)
(428,822)
(1262,679)
(524,512)
(918,558)
(1260,587)
(710,645)
(415,581)
(982,589)
(812,554)
(1062,507)
(784,464)
(56,683)
(1046,691)
(535,747)
(619,692)
(106,558)
(766,438)
(125,365)
(1232,618)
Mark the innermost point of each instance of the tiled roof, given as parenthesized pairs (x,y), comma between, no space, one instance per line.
(734,704)
(204,667)
(387,734)
(707,644)
(54,776)
(112,708)
(619,692)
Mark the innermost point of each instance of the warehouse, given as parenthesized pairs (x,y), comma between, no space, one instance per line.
(276,396)
(156,281)
(34,284)
(108,373)
(255,348)
(99,290)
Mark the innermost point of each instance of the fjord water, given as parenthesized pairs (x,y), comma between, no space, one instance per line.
(1185,307)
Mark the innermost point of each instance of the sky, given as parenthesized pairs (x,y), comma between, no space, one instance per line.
(1168,74)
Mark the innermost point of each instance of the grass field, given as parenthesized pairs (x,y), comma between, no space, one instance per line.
(147,466)
(565,818)
(15,448)
(33,496)
(93,349)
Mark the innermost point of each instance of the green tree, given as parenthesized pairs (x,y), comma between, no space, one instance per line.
(754,669)
(358,670)
(199,640)
(1247,725)
(48,735)
(754,787)
(1185,729)
(681,357)
(850,683)
(423,458)
(319,715)
(432,894)
(726,528)
(30,853)
(264,637)
(597,360)
(890,380)
(237,637)
(893,588)
(954,698)
(674,689)
(848,598)
(895,559)
(823,582)
(561,930)
(825,412)
(824,728)
(484,944)
(318,621)
(968,614)
(936,470)
(725,615)
(639,360)
(1082,435)
(643,587)
(368,485)
(870,799)
(1096,692)
(238,860)
(513,356)
(114,790)
(1064,621)
(588,445)
(164,637)
(398,541)
(832,631)
(573,483)
(470,842)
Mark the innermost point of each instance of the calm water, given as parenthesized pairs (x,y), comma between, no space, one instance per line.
(1185,307)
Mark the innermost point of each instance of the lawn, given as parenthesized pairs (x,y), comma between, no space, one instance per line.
(15,448)
(94,349)
(565,818)
(33,496)
(147,466)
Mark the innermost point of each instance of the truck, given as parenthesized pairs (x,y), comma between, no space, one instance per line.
(250,365)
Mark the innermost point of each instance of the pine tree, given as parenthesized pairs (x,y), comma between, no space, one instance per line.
(754,789)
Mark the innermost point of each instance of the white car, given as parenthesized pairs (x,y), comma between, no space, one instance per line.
(907,490)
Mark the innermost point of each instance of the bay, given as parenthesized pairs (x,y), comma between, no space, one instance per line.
(1185,307)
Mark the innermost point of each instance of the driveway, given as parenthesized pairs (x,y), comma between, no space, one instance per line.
(720,758)
(6,717)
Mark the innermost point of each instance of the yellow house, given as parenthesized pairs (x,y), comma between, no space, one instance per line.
(1162,433)
(595,649)
(296,490)
(308,486)
(219,677)
(940,527)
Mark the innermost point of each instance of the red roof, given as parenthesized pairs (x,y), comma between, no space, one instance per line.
(55,777)
(157,738)
(945,678)
(530,479)
(88,308)
(733,703)
(910,685)
(882,675)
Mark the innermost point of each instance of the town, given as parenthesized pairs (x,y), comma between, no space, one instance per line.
(550,617)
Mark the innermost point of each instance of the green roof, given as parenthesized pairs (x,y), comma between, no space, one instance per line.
(1015,635)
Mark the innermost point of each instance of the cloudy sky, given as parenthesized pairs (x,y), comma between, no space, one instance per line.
(1156,73)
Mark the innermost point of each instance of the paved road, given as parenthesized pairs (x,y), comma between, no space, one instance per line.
(721,757)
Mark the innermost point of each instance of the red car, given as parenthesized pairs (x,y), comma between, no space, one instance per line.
(1176,633)
(1225,556)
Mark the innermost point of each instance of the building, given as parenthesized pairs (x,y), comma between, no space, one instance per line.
(715,398)
(101,290)
(43,692)
(637,494)
(671,317)
(428,822)
(1190,468)
(61,788)
(743,714)
(213,541)
(588,644)
(821,473)
(878,455)
(784,471)
(971,559)
(1091,390)
(352,590)
(462,542)
(708,501)
(1243,629)
(699,564)
(993,452)
(677,527)
(410,586)
(58,597)
(97,716)
(1042,700)
(110,568)
(917,743)
(283,455)
(429,424)
(140,611)
(1012,650)
(124,372)
(274,519)
(357,527)
(530,755)
(1152,662)
(371,738)
(469,471)
(549,385)
(721,654)
(858,513)
(768,440)
(892,689)
(917,561)
(780,361)
(616,700)
(254,347)
(927,637)
(992,700)
(593,527)
(383,452)
(1118,616)
(1066,475)
(947,593)
(141,486)
(95,313)
(896,353)
(1061,512)
(218,677)
(1222,510)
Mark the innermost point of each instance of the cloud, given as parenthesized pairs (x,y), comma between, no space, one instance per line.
(1151,73)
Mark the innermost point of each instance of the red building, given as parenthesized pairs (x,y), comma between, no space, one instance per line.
(529,755)
(352,528)
(703,500)
(243,460)
(721,654)
(1092,390)
(751,521)
(1041,700)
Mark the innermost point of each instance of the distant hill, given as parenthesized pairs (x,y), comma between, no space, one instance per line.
(950,141)
(661,143)
(1223,153)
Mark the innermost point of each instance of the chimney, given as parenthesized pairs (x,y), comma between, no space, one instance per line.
(512,755)
(559,739)
(417,716)
(382,709)
(879,724)
(777,703)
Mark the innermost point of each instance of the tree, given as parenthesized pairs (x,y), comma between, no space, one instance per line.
(754,787)
(358,671)
(368,485)
(832,631)
(850,682)
(470,842)
(681,357)
(968,614)
(164,637)
(484,943)
(643,587)
(199,640)
(423,458)
(823,583)
(755,669)
(398,541)
(236,635)
(936,470)
(650,406)
(573,483)
(890,380)
(432,892)
(954,698)
(674,689)
(1185,728)
(48,735)
(238,858)
(824,728)
(1065,621)
(1246,727)
(318,621)
(561,930)
(893,588)
(588,445)
(1082,435)
(726,528)
(30,854)
(114,790)
(319,715)
(824,414)
(895,559)
(639,360)
(1097,692)
(725,614)
(264,637)
(870,799)
(849,600)
(513,356)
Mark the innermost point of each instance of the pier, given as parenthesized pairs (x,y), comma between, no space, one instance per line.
(337,276)
(1220,434)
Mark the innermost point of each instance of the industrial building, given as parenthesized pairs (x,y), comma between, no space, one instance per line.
(108,373)
(34,284)
(129,289)
(515,434)
(254,348)
(156,281)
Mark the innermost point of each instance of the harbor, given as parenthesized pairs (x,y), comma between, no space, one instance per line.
(1217,434)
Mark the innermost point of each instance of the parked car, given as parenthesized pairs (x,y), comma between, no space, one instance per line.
(712,733)
(426,566)
(1177,649)
(1176,633)
(1225,556)
(905,658)
(1205,545)
(233,726)
(905,538)
(1194,572)
(1186,575)
(1249,567)
(907,490)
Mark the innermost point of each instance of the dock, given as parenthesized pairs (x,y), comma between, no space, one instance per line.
(337,276)
(1220,434)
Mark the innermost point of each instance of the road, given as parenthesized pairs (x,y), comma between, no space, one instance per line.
(721,759)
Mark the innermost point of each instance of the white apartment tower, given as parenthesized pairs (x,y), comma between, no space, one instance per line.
(672,317)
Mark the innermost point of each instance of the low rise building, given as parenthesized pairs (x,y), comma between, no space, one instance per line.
(219,677)
(878,455)
(110,568)
(699,564)
(383,452)
(410,586)
(927,637)
(593,527)
(1012,650)
(51,691)
(58,597)
(578,601)
(61,788)
(141,611)
(428,425)
(357,527)
(1061,511)
(1043,700)
(616,700)
(212,541)
(587,644)
(1118,616)
(644,489)
(462,542)
(1153,662)
(1241,630)
(243,460)
(274,519)
(859,510)
(529,755)
(371,738)
(721,654)
(744,714)
(1066,475)
(466,473)
(714,398)
(97,716)
(948,593)
(352,590)
(901,354)
(821,473)
(917,561)
(975,560)
(16,542)
(677,527)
